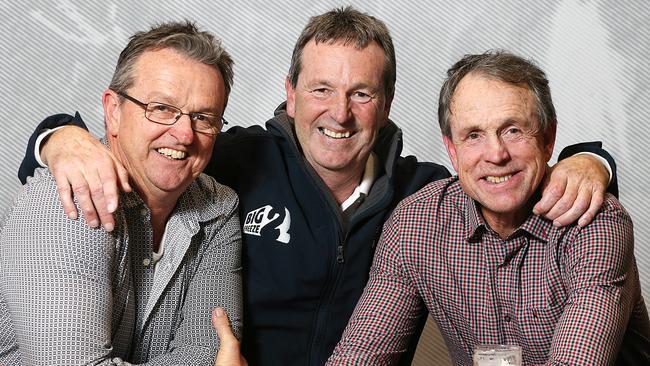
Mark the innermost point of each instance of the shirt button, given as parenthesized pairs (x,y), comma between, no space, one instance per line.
(146,262)
(507,318)
(143,212)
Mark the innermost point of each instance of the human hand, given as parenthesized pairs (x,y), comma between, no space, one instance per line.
(573,189)
(83,166)
(229,351)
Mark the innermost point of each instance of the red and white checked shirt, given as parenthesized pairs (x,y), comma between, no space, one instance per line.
(565,295)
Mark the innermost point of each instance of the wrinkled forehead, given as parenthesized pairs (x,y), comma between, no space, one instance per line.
(479,95)
(351,61)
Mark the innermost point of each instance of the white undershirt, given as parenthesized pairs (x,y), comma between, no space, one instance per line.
(365,185)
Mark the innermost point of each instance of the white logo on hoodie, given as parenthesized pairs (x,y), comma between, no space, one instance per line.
(257,219)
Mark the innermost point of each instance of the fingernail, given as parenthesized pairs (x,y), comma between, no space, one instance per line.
(108,227)
(219,312)
(111,207)
(93,223)
(72,215)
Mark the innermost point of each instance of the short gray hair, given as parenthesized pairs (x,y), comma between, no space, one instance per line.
(349,26)
(504,66)
(183,37)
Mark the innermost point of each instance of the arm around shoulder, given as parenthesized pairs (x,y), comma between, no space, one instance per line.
(594,147)
(30,163)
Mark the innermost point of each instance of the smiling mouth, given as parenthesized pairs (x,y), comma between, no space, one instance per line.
(171,153)
(333,134)
(498,179)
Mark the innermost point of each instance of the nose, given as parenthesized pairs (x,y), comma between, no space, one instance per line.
(496,150)
(340,109)
(182,130)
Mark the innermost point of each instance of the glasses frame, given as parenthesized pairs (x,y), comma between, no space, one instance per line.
(180,114)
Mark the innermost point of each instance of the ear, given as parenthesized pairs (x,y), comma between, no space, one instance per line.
(111,104)
(549,141)
(291,97)
(387,105)
(451,151)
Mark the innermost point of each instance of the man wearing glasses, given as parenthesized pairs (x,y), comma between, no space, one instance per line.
(315,187)
(70,294)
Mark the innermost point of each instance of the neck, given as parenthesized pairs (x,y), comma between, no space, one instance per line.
(506,223)
(340,184)
(160,211)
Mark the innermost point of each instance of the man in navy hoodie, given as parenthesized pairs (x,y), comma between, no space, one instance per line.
(315,187)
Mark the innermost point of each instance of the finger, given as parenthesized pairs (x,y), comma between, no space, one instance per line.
(221,324)
(566,202)
(229,352)
(96,183)
(551,194)
(82,193)
(578,207)
(105,210)
(108,180)
(65,195)
(107,200)
(597,200)
(81,186)
(123,177)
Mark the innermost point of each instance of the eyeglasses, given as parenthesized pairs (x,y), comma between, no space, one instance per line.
(166,114)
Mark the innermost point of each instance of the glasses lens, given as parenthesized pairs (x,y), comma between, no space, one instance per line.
(206,123)
(162,113)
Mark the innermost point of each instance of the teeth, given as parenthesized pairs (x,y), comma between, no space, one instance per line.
(173,154)
(336,135)
(495,179)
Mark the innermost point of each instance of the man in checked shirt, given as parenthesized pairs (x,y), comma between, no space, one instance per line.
(489,271)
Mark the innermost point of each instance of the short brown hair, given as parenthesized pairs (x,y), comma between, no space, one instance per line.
(183,37)
(504,66)
(349,26)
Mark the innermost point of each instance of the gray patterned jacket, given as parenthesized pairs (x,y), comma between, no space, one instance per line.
(70,294)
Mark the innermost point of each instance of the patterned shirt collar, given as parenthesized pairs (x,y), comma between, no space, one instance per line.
(534,225)
(195,205)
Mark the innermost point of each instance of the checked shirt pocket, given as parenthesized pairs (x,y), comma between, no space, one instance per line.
(539,326)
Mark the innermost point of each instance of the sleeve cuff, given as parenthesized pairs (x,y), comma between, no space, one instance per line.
(43,137)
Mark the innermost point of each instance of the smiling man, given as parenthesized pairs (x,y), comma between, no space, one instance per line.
(73,295)
(315,187)
(470,250)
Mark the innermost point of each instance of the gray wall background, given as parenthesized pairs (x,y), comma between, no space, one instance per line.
(58,56)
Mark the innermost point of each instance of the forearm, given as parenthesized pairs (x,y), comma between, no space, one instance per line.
(30,163)
(591,329)
(601,277)
(594,147)
(387,314)
(381,326)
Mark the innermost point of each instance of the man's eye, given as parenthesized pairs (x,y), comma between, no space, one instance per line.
(321,92)
(361,97)
(472,136)
(204,118)
(161,108)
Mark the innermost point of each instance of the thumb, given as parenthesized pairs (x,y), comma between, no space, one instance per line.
(229,353)
(221,324)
